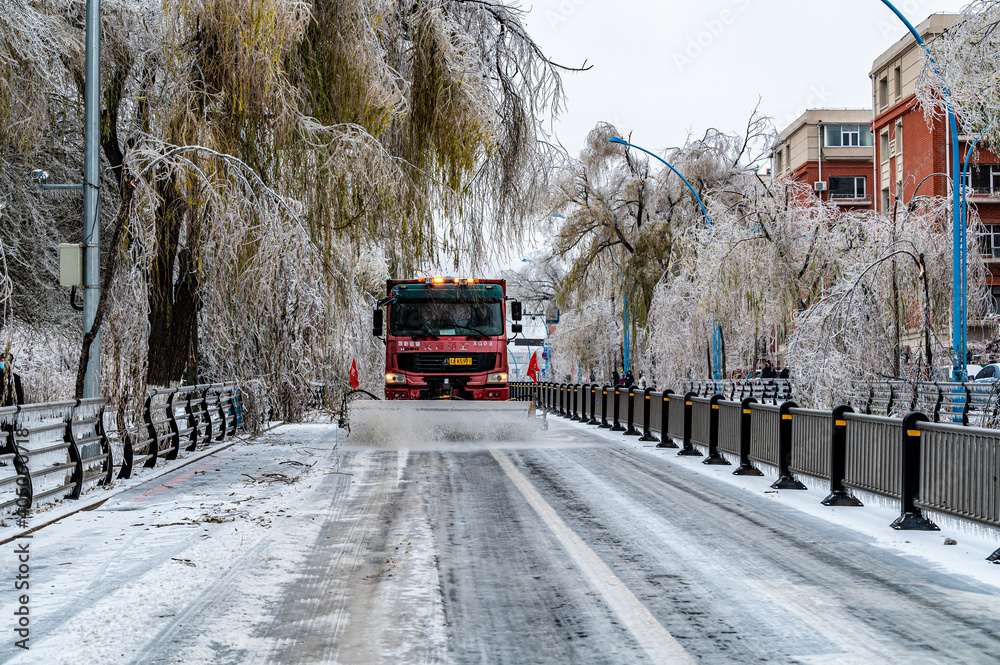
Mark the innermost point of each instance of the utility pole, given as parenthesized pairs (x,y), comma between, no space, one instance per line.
(91,191)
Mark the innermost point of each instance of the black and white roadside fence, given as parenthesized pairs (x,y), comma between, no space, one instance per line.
(59,449)
(945,467)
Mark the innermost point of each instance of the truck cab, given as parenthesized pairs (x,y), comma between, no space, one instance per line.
(446,338)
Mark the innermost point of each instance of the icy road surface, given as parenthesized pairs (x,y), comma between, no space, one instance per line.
(577,547)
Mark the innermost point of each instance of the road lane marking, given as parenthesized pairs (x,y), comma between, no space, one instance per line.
(658,643)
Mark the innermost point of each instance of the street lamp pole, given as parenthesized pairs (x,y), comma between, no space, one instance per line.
(91,190)
(716,331)
(959,299)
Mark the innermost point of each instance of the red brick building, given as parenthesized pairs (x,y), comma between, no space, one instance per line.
(913,158)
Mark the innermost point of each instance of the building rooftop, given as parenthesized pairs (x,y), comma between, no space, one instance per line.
(934,25)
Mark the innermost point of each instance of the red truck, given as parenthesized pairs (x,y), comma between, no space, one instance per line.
(446,338)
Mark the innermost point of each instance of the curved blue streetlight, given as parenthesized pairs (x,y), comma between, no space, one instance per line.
(959,307)
(716,331)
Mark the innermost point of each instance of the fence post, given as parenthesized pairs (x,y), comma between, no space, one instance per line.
(74,454)
(109,461)
(647,434)
(604,407)
(562,399)
(584,390)
(575,415)
(206,414)
(193,422)
(910,518)
(175,430)
(688,449)
(25,493)
(154,444)
(665,440)
(222,414)
(630,414)
(617,425)
(839,496)
(746,467)
(785,479)
(593,404)
(713,435)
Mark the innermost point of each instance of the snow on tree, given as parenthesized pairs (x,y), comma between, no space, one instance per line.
(267,165)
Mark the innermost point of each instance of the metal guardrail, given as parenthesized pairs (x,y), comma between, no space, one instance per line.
(947,467)
(57,449)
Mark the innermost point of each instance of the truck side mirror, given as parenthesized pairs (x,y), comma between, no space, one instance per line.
(515,311)
(377,322)
(515,328)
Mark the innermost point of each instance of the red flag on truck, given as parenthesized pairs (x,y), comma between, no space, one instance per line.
(533,368)
(354,375)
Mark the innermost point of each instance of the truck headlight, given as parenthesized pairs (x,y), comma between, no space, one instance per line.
(392,377)
(497,377)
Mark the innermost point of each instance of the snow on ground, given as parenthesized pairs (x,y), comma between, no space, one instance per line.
(223,543)
(968,557)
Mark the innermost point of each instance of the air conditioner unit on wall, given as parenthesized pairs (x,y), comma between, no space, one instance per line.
(819,186)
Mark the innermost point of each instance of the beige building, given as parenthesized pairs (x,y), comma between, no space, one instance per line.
(832,151)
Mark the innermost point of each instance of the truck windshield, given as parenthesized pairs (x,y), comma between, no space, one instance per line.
(417,317)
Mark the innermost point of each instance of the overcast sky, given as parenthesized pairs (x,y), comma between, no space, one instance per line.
(664,69)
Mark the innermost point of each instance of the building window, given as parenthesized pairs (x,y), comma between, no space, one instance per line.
(885,200)
(984,179)
(989,241)
(847,188)
(897,76)
(848,136)
(883,92)
(777,162)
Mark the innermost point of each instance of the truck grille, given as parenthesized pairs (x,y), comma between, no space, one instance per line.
(431,363)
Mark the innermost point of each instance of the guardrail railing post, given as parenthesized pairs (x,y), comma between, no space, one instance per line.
(193,422)
(688,449)
(647,434)
(785,481)
(109,462)
(74,455)
(584,391)
(207,415)
(911,518)
(713,435)
(630,414)
(665,440)
(154,444)
(23,488)
(617,427)
(175,430)
(604,407)
(839,496)
(223,425)
(593,404)
(746,467)
(575,415)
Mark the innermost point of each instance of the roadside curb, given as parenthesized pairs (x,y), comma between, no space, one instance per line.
(96,501)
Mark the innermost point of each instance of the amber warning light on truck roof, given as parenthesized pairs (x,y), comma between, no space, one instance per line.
(455,280)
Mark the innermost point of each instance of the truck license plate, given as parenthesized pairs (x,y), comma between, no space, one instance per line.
(459,361)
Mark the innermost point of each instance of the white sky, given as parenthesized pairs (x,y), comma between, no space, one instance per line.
(669,68)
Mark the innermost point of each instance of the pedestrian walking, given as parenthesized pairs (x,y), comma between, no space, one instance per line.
(768,371)
(615,378)
(641,383)
(12,393)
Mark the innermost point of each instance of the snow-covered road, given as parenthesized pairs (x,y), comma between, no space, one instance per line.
(576,547)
